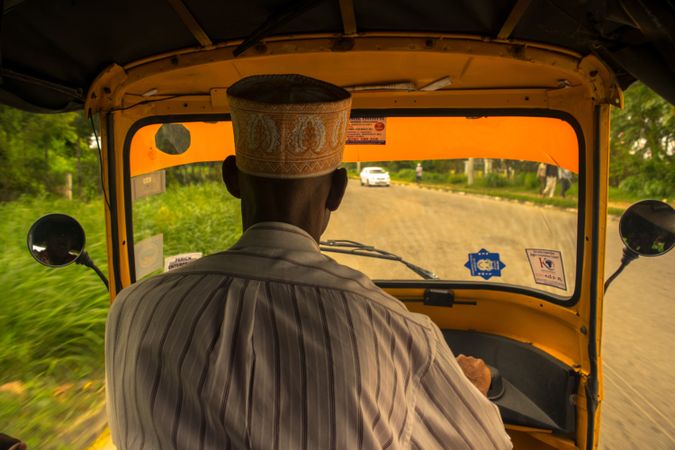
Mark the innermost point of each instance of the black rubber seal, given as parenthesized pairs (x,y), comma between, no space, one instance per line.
(112,196)
(404,112)
(592,385)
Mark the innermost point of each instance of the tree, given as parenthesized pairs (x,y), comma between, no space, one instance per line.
(37,150)
(642,144)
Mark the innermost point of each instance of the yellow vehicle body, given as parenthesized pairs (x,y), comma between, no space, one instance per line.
(487,76)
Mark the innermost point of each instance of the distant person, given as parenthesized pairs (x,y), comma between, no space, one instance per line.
(541,176)
(418,173)
(565,180)
(551,181)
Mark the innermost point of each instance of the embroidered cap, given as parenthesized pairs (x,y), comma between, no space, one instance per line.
(288,126)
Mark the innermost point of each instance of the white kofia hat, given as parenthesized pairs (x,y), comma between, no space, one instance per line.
(288,126)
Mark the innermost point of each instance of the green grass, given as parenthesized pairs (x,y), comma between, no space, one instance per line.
(52,321)
(194,218)
(618,199)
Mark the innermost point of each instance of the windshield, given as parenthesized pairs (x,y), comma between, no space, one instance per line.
(457,217)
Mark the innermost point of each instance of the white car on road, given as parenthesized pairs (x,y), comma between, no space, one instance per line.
(374,176)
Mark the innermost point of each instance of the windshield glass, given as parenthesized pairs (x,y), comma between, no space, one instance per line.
(450,207)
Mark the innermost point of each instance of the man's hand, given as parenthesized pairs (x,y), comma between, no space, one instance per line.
(476,371)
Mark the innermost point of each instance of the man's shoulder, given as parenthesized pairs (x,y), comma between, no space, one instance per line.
(301,268)
(315,271)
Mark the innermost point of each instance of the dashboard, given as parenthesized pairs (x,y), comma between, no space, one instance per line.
(530,387)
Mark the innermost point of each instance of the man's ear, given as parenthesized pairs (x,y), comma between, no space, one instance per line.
(231,176)
(337,189)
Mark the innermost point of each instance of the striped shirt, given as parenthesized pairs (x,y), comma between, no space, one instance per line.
(273,345)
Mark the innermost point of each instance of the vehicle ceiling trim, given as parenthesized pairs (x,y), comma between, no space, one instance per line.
(191,22)
(592,73)
(441,37)
(572,301)
(512,20)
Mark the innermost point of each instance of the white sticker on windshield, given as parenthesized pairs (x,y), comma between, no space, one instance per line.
(176,261)
(547,267)
(148,255)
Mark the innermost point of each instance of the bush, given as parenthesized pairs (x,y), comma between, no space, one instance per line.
(404,175)
(527,180)
(645,186)
(457,178)
(435,178)
(494,180)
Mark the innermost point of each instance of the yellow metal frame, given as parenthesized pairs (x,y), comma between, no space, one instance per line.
(522,76)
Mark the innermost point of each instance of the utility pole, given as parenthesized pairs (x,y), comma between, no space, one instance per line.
(468,170)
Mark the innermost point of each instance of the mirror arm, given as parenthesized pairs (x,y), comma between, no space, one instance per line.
(85,260)
(628,256)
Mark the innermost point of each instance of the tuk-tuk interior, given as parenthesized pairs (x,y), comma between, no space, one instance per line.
(517,96)
(534,335)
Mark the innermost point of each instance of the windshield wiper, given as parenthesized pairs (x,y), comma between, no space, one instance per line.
(356,248)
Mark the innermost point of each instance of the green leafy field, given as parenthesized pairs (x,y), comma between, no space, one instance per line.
(52,321)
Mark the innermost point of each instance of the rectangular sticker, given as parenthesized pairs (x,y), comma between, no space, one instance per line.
(148,184)
(176,261)
(367,131)
(547,267)
(148,255)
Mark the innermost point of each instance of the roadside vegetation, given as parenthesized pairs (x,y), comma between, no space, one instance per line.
(52,321)
(642,162)
(51,338)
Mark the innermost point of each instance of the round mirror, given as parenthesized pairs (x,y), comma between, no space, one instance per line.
(56,240)
(173,138)
(648,228)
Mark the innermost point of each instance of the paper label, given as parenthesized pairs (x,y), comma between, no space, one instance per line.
(148,255)
(176,261)
(547,267)
(148,184)
(365,131)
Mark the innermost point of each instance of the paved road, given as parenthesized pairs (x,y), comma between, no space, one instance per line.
(639,406)
(638,339)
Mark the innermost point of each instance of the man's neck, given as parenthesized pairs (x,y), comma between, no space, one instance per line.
(312,227)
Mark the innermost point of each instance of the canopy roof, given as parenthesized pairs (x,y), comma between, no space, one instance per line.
(52,50)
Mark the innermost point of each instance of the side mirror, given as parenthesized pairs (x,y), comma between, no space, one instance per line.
(57,240)
(647,228)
